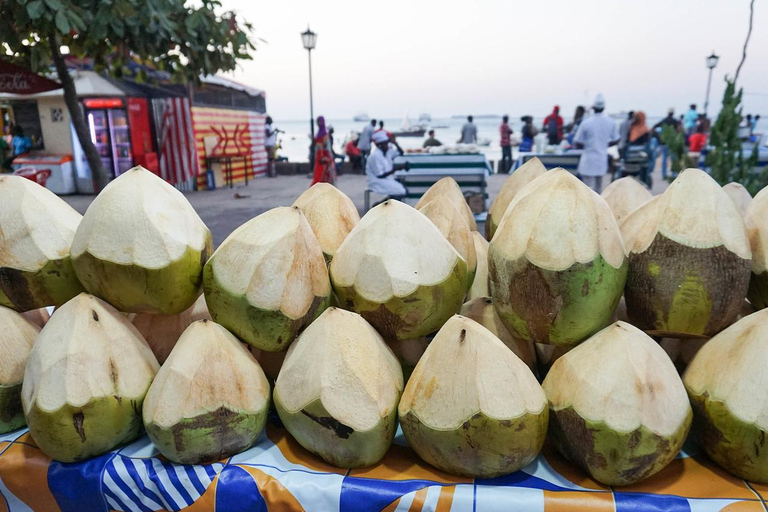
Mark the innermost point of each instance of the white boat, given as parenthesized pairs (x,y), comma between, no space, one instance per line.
(425,118)
(407,130)
(361,117)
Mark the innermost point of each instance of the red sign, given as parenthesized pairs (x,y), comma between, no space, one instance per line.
(17,80)
(103,103)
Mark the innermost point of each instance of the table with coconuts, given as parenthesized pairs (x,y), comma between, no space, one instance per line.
(600,353)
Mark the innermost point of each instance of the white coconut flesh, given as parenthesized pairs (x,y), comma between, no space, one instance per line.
(694,211)
(275,261)
(756,219)
(622,378)
(448,187)
(343,362)
(393,251)
(480,284)
(481,310)
(36,226)
(624,196)
(330,213)
(555,222)
(208,369)
(738,194)
(522,176)
(467,370)
(453,225)
(87,350)
(731,368)
(15,344)
(139,219)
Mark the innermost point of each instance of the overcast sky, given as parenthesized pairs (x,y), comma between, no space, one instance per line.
(490,57)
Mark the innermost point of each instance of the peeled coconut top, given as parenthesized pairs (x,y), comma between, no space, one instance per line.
(448,187)
(556,221)
(208,369)
(694,211)
(738,194)
(480,284)
(622,378)
(391,252)
(343,362)
(467,370)
(15,344)
(87,350)
(730,368)
(139,219)
(525,174)
(36,226)
(453,225)
(625,195)
(275,261)
(756,218)
(330,213)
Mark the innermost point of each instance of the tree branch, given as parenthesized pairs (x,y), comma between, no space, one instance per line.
(749,33)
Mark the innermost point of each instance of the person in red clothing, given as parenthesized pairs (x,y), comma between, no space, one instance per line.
(505,131)
(698,140)
(354,154)
(553,126)
(325,169)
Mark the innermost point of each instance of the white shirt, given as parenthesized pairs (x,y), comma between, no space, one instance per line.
(271,139)
(376,165)
(364,144)
(595,133)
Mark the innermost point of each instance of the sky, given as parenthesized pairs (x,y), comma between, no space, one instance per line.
(493,57)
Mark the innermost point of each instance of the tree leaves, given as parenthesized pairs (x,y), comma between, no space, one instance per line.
(35,9)
(62,22)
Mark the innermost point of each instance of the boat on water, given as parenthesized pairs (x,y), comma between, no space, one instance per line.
(361,117)
(425,118)
(408,130)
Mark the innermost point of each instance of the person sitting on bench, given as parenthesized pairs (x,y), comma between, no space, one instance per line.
(380,170)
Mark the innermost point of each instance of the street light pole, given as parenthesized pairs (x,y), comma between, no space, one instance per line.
(312,105)
(711,63)
(309,40)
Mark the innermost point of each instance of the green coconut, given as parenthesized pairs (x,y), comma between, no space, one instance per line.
(479,286)
(739,195)
(141,246)
(330,213)
(624,196)
(268,280)
(618,408)
(556,263)
(399,272)
(471,406)
(15,344)
(689,260)
(757,231)
(726,383)
(448,187)
(36,232)
(338,390)
(209,400)
(522,176)
(85,381)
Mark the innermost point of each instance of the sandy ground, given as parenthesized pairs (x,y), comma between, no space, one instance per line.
(223,212)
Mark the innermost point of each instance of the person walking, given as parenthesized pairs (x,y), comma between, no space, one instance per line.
(529,132)
(553,127)
(689,120)
(325,170)
(594,136)
(364,142)
(670,120)
(270,141)
(468,132)
(505,131)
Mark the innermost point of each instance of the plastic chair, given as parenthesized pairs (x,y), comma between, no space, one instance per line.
(39,176)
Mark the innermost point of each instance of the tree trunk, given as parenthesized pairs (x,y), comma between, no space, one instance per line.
(78,120)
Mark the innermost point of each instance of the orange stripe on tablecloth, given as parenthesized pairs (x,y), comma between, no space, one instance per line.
(275,494)
(575,501)
(296,454)
(418,500)
(206,502)
(24,470)
(445,500)
(401,463)
(392,506)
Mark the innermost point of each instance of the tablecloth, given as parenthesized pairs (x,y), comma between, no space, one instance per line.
(277,474)
(449,164)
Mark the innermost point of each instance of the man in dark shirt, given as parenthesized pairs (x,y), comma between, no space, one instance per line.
(674,123)
(431,141)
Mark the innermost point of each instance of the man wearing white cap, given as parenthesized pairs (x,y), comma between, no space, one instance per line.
(594,136)
(380,170)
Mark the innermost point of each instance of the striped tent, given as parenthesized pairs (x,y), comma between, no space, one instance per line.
(179,163)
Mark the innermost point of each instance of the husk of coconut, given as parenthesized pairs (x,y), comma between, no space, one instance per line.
(408,352)
(39,317)
(471,406)
(331,215)
(36,232)
(525,174)
(618,408)
(757,231)
(479,286)
(689,260)
(162,331)
(727,383)
(481,310)
(270,362)
(268,280)
(556,263)
(141,246)
(399,272)
(452,224)
(338,390)
(85,381)
(739,195)
(15,344)
(624,196)
(448,187)
(225,398)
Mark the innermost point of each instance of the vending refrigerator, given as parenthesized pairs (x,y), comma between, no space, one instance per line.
(110,132)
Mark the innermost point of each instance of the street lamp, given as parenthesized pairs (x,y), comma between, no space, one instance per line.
(309,39)
(711,63)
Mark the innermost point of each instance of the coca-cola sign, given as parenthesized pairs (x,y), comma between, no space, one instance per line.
(17,80)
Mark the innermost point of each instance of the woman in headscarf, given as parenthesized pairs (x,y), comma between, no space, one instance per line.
(639,135)
(325,171)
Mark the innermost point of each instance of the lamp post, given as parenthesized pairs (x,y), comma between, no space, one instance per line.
(711,63)
(309,39)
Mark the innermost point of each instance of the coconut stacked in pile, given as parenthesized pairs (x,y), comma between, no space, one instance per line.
(407,316)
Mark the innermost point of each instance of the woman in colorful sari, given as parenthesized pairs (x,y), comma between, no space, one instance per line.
(325,171)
